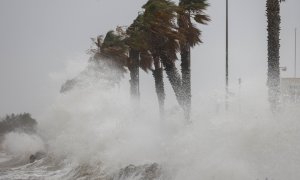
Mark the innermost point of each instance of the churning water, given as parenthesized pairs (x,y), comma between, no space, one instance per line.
(94,131)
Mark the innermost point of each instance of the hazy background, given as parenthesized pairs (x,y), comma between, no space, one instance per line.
(40,39)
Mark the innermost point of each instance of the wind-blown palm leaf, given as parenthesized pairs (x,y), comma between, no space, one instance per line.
(189,10)
(159,18)
(192,9)
(113,50)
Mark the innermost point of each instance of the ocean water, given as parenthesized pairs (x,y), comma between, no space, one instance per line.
(94,131)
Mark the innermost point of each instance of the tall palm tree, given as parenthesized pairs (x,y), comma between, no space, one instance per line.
(188,10)
(163,38)
(159,84)
(273,17)
(140,42)
(135,49)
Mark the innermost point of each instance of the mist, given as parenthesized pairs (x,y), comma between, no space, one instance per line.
(90,124)
(91,128)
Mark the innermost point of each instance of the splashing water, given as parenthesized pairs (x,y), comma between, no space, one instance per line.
(94,131)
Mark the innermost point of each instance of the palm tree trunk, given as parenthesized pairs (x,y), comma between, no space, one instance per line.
(134,74)
(185,52)
(273,16)
(159,85)
(173,76)
(186,79)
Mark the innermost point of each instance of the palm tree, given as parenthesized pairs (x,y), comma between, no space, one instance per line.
(112,50)
(159,84)
(133,66)
(189,9)
(135,49)
(273,16)
(108,61)
(139,41)
(163,38)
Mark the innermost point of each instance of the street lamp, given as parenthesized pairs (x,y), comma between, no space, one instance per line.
(226,66)
(284,68)
(295,66)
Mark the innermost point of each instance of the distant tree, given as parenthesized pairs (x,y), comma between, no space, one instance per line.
(273,28)
(20,122)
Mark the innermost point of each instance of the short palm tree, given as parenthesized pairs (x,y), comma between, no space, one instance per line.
(108,59)
(273,17)
(112,50)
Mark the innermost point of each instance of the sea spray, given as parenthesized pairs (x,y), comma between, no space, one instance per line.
(96,131)
(22,144)
(96,124)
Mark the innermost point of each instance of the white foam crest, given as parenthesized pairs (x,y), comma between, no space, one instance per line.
(22,144)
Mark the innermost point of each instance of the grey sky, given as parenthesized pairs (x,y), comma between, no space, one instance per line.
(38,37)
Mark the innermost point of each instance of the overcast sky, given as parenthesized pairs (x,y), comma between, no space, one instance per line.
(39,37)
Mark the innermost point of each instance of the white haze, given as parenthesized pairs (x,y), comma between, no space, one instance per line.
(91,124)
(20,144)
(94,124)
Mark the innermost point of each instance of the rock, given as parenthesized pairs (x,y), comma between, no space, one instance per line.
(143,172)
(36,156)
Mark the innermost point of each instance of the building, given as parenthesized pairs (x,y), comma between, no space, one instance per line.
(290,90)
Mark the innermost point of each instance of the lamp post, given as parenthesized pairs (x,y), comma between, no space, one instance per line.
(226,64)
(295,66)
(284,68)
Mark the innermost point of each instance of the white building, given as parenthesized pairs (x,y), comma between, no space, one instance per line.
(290,89)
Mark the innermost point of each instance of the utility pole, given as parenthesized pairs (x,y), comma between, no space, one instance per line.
(295,66)
(240,86)
(226,66)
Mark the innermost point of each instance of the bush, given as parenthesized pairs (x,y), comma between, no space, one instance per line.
(20,122)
